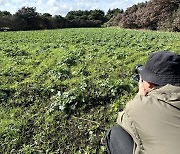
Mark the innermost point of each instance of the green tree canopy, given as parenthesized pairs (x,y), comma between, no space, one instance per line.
(29,16)
(113,12)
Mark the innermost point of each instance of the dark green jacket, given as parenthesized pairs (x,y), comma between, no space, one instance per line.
(153,121)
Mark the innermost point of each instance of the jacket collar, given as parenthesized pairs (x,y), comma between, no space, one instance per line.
(169,94)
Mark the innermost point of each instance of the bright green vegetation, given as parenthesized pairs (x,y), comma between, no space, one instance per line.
(60,90)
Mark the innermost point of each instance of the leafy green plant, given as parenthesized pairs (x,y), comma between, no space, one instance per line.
(60,90)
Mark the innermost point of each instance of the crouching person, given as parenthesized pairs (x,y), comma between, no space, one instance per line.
(150,123)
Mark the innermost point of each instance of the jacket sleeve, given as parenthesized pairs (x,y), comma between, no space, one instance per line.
(126,121)
(125,118)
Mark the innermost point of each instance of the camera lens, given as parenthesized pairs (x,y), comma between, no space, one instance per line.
(137,77)
(137,70)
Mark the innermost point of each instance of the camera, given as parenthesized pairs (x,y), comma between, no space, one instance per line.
(137,70)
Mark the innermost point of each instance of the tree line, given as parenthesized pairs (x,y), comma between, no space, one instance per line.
(154,15)
(27,18)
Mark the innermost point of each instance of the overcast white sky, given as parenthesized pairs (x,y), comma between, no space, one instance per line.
(61,7)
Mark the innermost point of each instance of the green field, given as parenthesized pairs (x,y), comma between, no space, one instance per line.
(60,90)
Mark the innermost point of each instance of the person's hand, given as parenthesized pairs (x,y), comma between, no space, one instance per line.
(142,90)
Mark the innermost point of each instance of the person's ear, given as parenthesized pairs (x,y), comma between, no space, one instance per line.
(147,85)
(151,85)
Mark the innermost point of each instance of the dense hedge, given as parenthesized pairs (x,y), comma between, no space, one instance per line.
(154,15)
(27,18)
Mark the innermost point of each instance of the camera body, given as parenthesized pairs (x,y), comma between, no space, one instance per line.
(137,70)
